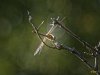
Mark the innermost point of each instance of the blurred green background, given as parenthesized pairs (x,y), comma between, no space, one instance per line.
(17,43)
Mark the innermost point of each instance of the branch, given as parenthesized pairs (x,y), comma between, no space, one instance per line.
(80,56)
(75,52)
(87,45)
(96,64)
(59,46)
(35,30)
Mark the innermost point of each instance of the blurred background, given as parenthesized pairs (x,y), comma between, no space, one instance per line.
(18,43)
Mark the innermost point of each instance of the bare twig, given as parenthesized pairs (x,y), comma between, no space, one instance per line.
(94,69)
(87,45)
(95,51)
(75,52)
(96,59)
(36,31)
(59,46)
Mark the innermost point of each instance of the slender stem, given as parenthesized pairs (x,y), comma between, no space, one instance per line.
(72,50)
(36,31)
(78,54)
(88,46)
(96,62)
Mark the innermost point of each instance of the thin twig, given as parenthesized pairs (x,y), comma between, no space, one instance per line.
(87,45)
(96,64)
(36,31)
(58,46)
(75,52)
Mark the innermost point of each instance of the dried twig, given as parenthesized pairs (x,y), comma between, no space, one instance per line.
(95,51)
(87,45)
(59,46)
(35,30)
(75,52)
(96,68)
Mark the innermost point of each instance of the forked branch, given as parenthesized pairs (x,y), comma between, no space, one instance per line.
(57,45)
